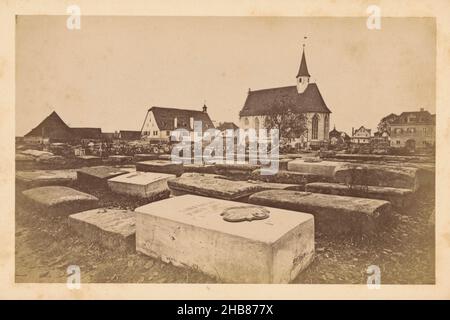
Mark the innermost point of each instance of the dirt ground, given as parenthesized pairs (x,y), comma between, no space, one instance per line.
(46,246)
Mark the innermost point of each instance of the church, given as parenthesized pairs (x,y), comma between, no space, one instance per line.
(306,99)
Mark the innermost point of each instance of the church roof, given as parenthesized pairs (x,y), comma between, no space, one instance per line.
(227,125)
(261,102)
(164,118)
(303,70)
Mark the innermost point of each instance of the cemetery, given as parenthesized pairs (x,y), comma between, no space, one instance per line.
(143,218)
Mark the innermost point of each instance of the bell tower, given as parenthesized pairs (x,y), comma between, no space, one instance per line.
(303,74)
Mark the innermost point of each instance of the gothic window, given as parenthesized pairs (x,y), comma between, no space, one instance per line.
(315,127)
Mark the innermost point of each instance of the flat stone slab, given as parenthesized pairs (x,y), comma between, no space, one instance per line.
(98,176)
(378,175)
(333,214)
(145,156)
(200,168)
(120,158)
(399,198)
(59,200)
(24,158)
(36,153)
(141,184)
(191,231)
(290,177)
(112,228)
(161,166)
(236,170)
(90,160)
(215,186)
(323,168)
(39,178)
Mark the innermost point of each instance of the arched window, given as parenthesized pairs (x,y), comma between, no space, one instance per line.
(256,125)
(315,127)
(246,121)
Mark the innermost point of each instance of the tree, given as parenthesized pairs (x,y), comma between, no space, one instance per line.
(282,116)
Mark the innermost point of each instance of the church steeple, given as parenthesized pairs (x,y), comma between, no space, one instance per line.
(303,74)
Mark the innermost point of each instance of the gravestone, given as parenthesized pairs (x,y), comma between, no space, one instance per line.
(211,185)
(98,176)
(111,228)
(399,198)
(39,178)
(200,168)
(333,214)
(161,166)
(242,171)
(148,185)
(322,168)
(118,159)
(59,200)
(89,160)
(145,156)
(290,177)
(268,246)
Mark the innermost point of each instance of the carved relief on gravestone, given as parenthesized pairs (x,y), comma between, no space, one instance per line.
(245,213)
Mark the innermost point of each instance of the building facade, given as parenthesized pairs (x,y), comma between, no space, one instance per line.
(161,121)
(413,130)
(361,135)
(303,98)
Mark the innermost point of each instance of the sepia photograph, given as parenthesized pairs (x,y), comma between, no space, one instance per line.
(158,154)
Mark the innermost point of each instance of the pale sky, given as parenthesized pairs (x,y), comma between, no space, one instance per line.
(112,70)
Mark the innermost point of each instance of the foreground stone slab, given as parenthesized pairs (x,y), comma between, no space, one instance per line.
(24,158)
(236,170)
(290,177)
(215,186)
(98,176)
(36,153)
(322,168)
(333,214)
(191,231)
(161,166)
(378,175)
(399,198)
(200,168)
(59,200)
(40,178)
(111,228)
(142,184)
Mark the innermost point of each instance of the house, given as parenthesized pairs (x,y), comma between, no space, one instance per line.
(161,121)
(129,135)
(338,138)
(361,135)
(51,129)
(304,98)
(413,130)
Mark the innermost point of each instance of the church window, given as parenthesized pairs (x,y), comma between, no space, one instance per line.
(246,121)
(315,127)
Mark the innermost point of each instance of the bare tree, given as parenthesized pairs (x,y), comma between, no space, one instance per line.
(282,115)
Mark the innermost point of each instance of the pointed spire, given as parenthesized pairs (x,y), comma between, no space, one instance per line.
(303,70)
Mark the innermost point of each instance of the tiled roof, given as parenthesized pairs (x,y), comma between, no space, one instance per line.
(165,118)
(261,102)
(415,117)
(87,133)
(227,125)
(52,127)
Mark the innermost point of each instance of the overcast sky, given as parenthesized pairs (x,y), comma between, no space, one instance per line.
(112,70)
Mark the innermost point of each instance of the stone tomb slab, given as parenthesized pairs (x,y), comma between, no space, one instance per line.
(322,168)
(333,214)
(98,176)
(112,228)
(59,200)
(191,231)
(399,198)
(40,178)
(90,160)
(378,175)
(290,177)
(211,185)
(145,156)
(120,159)
(142,184)
(161,166)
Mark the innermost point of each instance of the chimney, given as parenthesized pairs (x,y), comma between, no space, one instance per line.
(421,109)
(353,131)
(205,108)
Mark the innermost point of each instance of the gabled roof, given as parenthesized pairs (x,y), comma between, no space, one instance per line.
(130,134)
(87,133)
(303,70)
(164,118)
(227,125)
(52,127)
(261,102)
(415,117)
